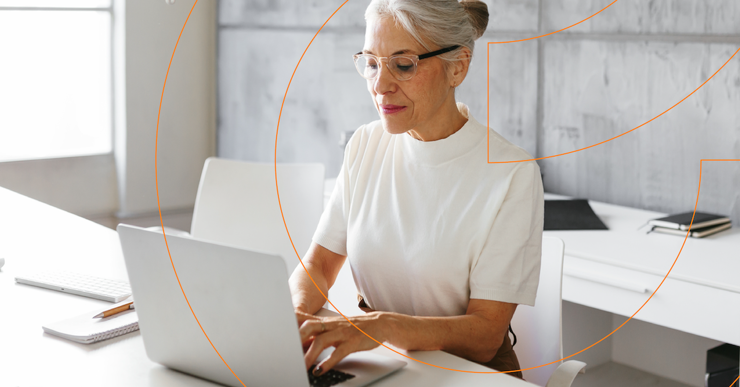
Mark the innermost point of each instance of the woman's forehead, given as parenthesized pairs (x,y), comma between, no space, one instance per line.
(383,37)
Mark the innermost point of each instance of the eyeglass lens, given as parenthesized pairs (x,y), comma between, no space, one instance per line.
(401,68)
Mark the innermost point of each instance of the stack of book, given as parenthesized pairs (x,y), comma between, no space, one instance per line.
(704,224)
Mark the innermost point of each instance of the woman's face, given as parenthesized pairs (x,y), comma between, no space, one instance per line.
(405,105)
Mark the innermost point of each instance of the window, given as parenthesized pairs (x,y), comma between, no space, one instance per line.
(55,78)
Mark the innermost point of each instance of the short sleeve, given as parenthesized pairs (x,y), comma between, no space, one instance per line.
(331,232)
(508,268)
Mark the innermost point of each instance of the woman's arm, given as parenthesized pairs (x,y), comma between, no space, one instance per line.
(324,266)
(475,336)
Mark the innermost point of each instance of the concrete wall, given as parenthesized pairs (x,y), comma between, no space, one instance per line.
(187,124)
(552,95)
(622,68)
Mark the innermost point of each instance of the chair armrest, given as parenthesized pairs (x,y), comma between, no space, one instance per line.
(566,373)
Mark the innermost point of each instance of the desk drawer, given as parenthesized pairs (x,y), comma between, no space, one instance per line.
(688,307)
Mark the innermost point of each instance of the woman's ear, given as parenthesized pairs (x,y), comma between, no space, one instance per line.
(459,68)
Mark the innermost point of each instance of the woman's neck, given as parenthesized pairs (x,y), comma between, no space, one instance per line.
(447,121)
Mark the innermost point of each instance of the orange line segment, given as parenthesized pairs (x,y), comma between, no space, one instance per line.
(555,32)
(488,124)
(159,208)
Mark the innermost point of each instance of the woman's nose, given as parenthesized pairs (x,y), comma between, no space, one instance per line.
(384,82)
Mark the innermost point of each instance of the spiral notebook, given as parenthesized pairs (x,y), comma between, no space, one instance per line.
(87,330)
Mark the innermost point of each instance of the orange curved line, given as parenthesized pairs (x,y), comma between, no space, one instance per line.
(277,189)
(733,383)
(617,136)
(159,208)
(555,32)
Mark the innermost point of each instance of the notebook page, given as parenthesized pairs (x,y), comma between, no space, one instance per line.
(86,329)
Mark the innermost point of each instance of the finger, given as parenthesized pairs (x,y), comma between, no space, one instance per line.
(320,343)
(306,345)
(311,328)
(339,353)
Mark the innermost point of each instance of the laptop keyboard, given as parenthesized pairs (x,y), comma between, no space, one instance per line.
(330,378)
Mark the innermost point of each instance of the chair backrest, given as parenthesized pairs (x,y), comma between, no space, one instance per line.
(539,329)
(237,205)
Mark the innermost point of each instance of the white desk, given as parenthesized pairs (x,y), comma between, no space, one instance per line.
(617,270)
(36,236)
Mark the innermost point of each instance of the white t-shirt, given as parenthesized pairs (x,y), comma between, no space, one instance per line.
(429,225)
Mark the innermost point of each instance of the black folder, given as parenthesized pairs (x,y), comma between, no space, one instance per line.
(571,215)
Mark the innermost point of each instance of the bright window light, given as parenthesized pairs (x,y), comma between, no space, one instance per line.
(55,80)
(56,3)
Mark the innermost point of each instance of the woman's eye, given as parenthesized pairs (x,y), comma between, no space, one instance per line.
(404,68)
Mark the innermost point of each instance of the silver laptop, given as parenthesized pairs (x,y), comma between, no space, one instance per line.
(243,304)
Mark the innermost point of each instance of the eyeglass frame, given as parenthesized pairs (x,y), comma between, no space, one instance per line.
(414,59)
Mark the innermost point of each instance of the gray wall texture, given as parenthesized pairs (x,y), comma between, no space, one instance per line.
(550,95)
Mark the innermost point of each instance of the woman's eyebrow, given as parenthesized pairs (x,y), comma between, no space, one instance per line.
(405,51)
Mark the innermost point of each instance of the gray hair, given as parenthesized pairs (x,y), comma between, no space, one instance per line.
(441,23)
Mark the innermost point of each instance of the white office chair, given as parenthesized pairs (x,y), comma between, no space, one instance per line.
(539,328)
(237,205)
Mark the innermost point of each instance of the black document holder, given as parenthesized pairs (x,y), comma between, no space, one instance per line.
(571,215)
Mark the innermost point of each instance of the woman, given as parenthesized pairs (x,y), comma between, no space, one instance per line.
(442,244)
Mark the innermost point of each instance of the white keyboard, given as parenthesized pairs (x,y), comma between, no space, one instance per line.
(79,284)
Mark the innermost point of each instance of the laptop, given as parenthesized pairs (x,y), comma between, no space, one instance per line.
(242,301)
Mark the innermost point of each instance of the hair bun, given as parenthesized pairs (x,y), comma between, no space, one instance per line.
(478,14)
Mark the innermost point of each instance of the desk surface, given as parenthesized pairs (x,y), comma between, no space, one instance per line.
(711,261)
(36,236)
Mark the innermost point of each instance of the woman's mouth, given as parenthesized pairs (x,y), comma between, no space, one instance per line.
(391,109)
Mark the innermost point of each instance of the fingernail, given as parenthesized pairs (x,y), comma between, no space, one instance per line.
(317,371)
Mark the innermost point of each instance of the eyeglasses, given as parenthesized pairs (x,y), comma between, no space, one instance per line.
(403,67)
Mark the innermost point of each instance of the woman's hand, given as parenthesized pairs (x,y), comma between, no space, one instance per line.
(303,316)
(475,336)
(321,333)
